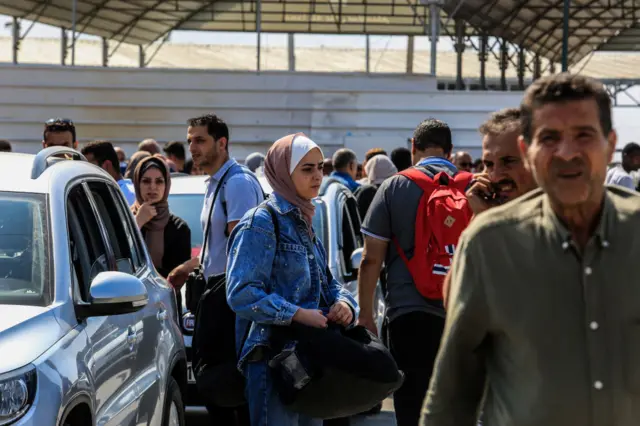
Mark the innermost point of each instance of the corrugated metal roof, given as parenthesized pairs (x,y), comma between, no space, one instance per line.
(143,21)
(603,65)
(537,24)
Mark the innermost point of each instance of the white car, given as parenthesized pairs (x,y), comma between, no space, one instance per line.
(336,222)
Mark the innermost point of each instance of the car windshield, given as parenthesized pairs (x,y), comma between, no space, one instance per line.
(188,207)
(24,250)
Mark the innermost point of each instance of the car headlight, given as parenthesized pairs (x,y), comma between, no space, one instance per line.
(17,392)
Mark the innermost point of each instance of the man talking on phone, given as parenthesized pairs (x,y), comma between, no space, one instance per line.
(505,175)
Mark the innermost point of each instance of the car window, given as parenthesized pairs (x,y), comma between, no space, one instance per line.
(131,235)
(114,225)
(188,207)
(25,266)
(89,255)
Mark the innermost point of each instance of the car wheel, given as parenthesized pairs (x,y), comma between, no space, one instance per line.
(173,406)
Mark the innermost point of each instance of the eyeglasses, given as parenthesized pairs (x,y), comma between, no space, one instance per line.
(59,122)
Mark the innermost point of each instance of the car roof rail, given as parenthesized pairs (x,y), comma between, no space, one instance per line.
(49,156)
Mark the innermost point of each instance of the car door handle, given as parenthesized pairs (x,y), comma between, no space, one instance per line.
(161,315)
(131,336)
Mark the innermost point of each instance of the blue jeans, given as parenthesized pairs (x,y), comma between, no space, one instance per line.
(265,408)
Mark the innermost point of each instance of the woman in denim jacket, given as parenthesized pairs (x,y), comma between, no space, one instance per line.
(269,285)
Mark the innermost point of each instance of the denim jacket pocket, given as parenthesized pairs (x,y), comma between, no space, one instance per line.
(292,265)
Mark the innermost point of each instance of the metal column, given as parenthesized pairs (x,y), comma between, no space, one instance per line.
(367,55)
(483,56)
(141,56)
(15,32)
(410,47)
(504,63)
(292,52)
(459,47)
(537,67)
(258,32)
(105,52)
(521,68)
(565,36)
(434,17)
(74,10)
(64,43)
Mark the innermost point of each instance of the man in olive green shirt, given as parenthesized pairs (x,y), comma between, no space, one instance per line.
(543,321)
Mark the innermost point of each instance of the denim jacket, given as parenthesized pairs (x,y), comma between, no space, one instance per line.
(267,285)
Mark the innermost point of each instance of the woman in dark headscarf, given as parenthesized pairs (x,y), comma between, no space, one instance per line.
(277,284)
(167,236)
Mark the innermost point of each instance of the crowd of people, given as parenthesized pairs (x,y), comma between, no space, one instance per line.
(535,321)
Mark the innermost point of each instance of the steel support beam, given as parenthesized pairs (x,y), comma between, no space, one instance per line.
(258,33)
(292,52)
(410,49)
(105,52)
(459,47)
(64,40)
(504,63)
(15,44)
(522,64)
(537,67)
(483,55)
(565,36)
(367,55)
(74,13)
(141,56)
(434,17)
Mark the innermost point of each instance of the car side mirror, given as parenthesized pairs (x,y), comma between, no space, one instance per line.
(356,258)
(114,293)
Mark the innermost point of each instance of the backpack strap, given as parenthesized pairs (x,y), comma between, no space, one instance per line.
(223,201)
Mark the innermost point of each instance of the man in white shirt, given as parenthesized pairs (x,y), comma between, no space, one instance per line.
(621,174)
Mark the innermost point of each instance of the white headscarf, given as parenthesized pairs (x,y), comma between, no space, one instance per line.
(379,168)
(300,147)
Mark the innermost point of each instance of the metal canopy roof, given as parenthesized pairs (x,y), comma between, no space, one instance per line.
(537,24)
(145,21)
(627,41)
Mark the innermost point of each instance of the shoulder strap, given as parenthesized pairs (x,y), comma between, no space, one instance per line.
(208,224)
(420,178)
(223,200)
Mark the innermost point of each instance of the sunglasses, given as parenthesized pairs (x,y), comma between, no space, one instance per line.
(59,122)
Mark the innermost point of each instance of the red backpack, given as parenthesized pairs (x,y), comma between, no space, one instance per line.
(443,213)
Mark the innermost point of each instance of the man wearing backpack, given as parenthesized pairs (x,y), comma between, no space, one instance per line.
(240,191)
(423,206)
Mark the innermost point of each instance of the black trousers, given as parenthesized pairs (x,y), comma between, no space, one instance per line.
(414,339)
(229,416)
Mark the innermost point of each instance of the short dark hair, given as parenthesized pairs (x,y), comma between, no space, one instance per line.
(505,120)
(102,151)
(373,152)
(564,87)
(432,133)
(175,148)
(401,158)
(631,148)
(5,146)
(216,127)
(342,158)
(59,125)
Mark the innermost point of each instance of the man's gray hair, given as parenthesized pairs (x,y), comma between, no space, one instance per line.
(342,158)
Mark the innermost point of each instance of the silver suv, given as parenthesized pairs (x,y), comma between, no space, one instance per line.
(89,332)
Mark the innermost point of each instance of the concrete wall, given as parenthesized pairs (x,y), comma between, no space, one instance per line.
(127,105)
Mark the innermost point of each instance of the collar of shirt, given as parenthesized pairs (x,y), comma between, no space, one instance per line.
(437,161)
(218,175)
(351,183)
(602,230)
(282,206)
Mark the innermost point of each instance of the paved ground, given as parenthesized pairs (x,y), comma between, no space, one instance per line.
(385,418)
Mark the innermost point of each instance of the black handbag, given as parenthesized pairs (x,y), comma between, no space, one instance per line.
(333,372)
(214,358)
